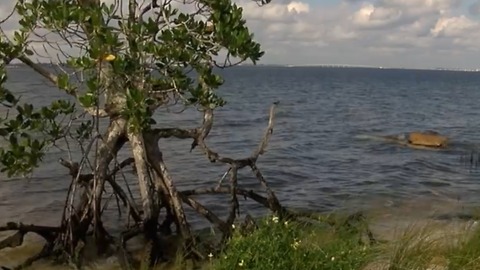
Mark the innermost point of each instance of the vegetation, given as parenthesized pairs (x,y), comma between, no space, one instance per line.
(300,245)
(123,62)
(280,244)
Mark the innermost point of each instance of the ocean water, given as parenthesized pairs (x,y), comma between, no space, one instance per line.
(323,155)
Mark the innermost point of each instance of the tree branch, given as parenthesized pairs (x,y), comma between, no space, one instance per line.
(234,205)
(268,133)
(226,190)
(54,79)
(175,132)
(200,134)
(209,215)
(151,6)
(273,202)
(48,233)
(87,178)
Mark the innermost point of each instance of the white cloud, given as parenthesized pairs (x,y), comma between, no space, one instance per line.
(298,7)
(454,27)
(409,33)
(370,16)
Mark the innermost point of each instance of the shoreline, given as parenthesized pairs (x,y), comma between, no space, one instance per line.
(387,223)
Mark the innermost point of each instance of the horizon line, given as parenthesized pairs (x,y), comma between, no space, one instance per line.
(322,65)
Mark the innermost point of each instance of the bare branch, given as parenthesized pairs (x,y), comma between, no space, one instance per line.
(267,135)
(87,178)
(200,134)
(202,210)
(225,190)
(74,168)
(151,6)
(175,132)
(47,232)
(8,16)
(42,71)
(233,192)
(273,202)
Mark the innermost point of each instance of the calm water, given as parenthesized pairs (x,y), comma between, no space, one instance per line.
(320,157)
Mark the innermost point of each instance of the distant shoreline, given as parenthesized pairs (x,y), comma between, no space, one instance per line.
(323,66)
(365,67)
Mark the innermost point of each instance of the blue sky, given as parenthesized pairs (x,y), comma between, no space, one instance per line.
(388,33)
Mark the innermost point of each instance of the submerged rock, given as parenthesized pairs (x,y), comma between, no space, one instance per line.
(429,139)
(415,139)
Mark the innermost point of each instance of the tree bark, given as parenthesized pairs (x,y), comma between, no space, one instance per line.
(150,212)
(111,143)
(144,181)
(164,180)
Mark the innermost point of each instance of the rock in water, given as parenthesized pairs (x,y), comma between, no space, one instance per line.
(427,139)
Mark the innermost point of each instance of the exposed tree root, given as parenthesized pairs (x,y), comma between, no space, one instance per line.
(16,240)
(48,233)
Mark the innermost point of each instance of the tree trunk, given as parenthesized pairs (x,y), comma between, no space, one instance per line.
(164,181)
(144,179)
(150,210)
(112,141)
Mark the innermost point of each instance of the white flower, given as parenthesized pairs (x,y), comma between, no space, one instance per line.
(240,263)
(296,243)
(233,226)
(275,219)
(333,259)
(210,255)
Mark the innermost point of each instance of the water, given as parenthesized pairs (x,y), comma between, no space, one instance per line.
(321,155)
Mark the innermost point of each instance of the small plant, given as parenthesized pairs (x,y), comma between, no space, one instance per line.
(278,244)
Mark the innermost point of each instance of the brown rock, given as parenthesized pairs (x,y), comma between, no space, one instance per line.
(427,139)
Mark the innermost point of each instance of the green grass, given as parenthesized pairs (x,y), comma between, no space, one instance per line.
(466,254)
(416,247)
(276,245)
(279,245)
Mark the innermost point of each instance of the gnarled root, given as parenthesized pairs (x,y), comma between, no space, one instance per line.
(16,240)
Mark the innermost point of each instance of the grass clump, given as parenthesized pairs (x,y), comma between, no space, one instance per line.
(416,248)
(465,254)
(280,244)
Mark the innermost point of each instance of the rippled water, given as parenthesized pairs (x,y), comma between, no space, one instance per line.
(322,155)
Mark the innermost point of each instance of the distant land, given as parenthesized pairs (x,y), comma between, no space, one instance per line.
(325,66)
(364,66)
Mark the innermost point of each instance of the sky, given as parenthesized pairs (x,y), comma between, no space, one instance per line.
(387,33)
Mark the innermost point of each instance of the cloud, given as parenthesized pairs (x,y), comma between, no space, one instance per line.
(400,33)
(457,27)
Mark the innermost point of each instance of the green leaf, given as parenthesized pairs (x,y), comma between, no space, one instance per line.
(87,100)
(62,81)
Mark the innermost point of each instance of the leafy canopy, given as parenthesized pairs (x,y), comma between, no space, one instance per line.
(133,59)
